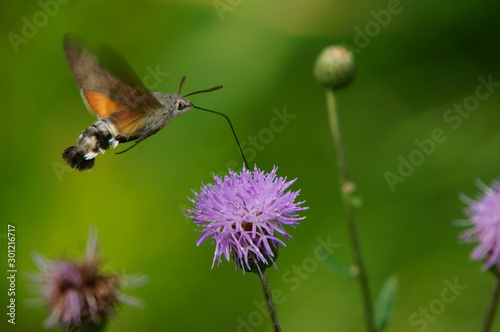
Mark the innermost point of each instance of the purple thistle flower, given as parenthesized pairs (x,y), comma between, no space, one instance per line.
(484,215)
(78,296)
(244,213)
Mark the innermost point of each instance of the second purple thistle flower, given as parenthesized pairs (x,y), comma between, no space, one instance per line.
(484,217)
(244,213)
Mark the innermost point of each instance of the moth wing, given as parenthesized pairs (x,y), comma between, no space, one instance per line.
(90,75)
(130,121)
(99,104)
(115,63)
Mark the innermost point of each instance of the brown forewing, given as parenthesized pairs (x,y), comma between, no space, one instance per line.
(90,75)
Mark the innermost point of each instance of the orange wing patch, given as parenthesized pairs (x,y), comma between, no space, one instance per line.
(99,104)
(129,122)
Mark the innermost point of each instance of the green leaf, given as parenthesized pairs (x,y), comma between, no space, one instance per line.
(339,267)
(384,302)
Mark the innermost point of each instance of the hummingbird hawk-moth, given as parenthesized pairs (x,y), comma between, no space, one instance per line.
(125,113)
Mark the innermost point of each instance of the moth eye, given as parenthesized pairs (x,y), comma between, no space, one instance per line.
(181,106)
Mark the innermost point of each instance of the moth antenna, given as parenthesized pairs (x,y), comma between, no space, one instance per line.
(230,125)
(206,90)
(183,79)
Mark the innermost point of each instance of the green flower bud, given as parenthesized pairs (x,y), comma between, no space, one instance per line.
(335,67)
(256,265)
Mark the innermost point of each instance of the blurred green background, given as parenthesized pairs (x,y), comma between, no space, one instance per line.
(413,65)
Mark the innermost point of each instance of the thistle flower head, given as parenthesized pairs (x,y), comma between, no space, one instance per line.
(77,294)
(484,216)
(334,67)
(244,213)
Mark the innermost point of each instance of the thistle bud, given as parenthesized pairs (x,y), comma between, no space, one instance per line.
(257,265)
(335,67)
(79,296)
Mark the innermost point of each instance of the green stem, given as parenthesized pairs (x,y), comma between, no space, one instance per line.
(269,301)
(490,315)
(347,188)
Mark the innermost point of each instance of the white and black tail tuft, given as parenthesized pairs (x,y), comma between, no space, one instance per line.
(75,158)
(95,139)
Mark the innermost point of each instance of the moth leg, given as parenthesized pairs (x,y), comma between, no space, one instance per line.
(132,146)
(142,138)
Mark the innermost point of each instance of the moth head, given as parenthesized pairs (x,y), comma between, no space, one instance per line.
(174,103)
(181,105)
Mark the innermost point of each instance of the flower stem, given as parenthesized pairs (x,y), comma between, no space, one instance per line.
(269,301)
(490,315)
(347,188)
